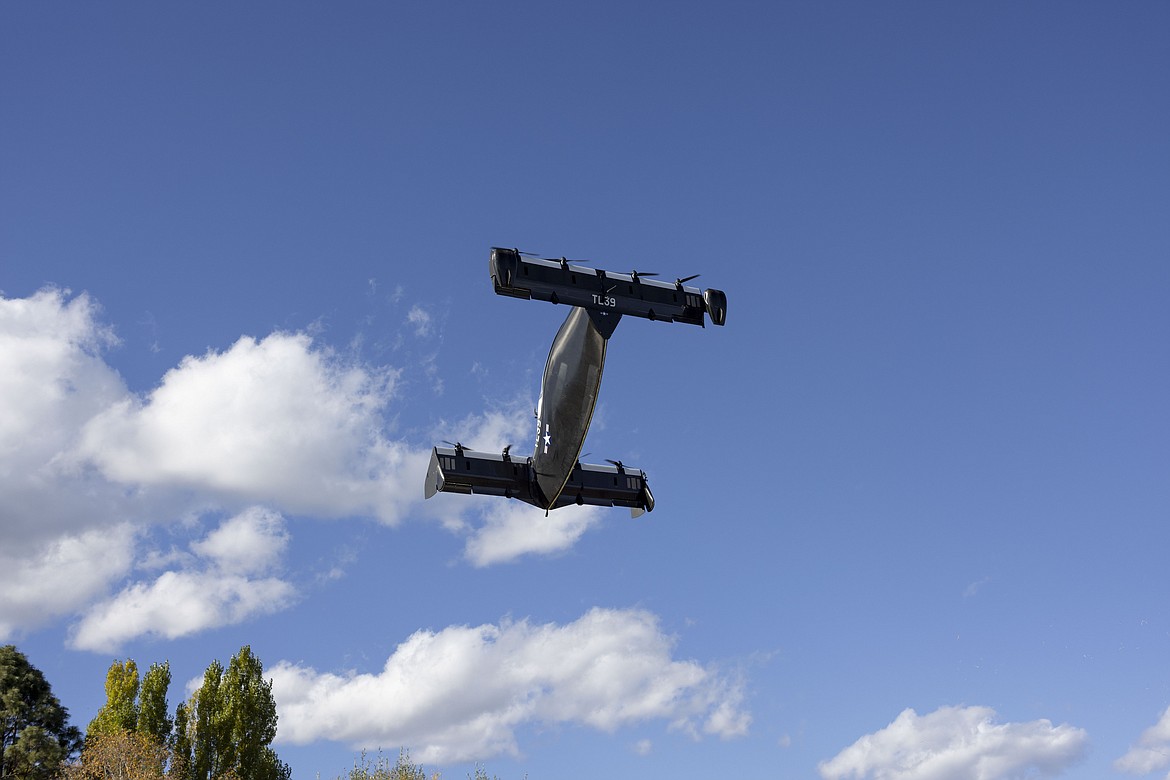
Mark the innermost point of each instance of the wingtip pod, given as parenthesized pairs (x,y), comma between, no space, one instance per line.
(504,267)
(647,500)
(716,303)
(435,478)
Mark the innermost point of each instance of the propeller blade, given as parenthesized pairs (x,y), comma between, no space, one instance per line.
(517,251)
(685,279)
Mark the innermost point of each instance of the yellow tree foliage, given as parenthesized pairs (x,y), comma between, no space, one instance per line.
(121,755)
(128,755)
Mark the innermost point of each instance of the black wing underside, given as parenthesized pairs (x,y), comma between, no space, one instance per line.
(592,288)
(459,470)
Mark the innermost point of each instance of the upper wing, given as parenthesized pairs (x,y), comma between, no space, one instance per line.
(592,288)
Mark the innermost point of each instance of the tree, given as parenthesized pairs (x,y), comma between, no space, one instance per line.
(234,719)
(481,774)
(130,735)
(120,755)
(35,735)
(120,712)
(152,703)
(181,749)
(402,769)
(382,769)
(209,740)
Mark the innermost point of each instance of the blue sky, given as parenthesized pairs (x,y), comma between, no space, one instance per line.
(912,499)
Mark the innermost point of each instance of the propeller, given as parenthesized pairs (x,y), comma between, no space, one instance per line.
(635,274)
(680,282)
(564,261)
(618,463)
(517,251)
(506,448)
(459,446)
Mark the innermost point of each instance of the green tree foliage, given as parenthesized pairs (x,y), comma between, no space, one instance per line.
(223,733)
(180,744)
(120,712)
(130,735)
(234,719)
(209,741)
(35,735)
(153,719)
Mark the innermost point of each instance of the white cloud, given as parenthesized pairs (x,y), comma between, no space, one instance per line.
(86,467)
(420,319)
(60,577)
(973,589)
(461,693)
(52,380)
(493,429)
(250,542)
(1151,752)
(50,365)
(727,719)
(957,743)
(66,535)
(274,421)
(511,529)
(277,422)
(224,587)
(178,604)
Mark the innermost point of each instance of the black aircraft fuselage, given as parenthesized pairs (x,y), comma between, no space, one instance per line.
(554,476)
(568,393)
